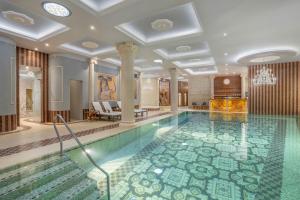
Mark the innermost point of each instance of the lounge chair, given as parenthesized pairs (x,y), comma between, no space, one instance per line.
(98,109)
(108,108)
(136,111)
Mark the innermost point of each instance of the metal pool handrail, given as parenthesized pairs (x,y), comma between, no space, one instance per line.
(59,117)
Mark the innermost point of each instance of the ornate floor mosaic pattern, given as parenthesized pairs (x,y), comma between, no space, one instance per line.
(52,177)
(205,159)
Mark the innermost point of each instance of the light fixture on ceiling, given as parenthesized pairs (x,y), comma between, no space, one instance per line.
(47,44)
(226,64)
(17,17)
(185,48)
(158,61)
(56,9)
(90,45)
(226,54)
(265,59)
(264,76)
(162,25)
(92,27)
(36,49)
(225,34)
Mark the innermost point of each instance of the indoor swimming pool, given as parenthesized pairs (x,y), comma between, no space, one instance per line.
(192,156)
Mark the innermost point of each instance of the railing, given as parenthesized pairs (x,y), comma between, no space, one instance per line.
(59,117)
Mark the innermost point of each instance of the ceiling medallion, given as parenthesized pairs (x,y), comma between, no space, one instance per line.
(183,48)
(17,17)
(162,25)
(264,76)
(90,45)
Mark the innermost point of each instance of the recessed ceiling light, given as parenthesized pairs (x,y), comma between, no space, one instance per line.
(265,59)
(162,25)
(158,61)
(92,27)
(47,44)
(185,48)
(226,64)
(226,54)
(225,34)
(36,49)
(56,9)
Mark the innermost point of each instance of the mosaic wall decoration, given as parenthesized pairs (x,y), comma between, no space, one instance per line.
(107,87)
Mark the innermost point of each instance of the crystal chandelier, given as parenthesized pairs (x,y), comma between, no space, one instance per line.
(264,76)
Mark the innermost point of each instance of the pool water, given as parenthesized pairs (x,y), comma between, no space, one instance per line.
(191,156)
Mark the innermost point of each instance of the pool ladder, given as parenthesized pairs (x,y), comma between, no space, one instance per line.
(59,117)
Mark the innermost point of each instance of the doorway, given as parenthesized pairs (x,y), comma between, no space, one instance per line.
(76,112)
(30,93)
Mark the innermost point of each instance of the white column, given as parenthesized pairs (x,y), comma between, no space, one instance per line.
(212,87)
(174,89)
(127,52)
(92,81)
(243,86)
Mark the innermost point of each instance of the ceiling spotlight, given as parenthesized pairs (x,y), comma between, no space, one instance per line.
(47,44)
(162,25)
(226,54)
(225,34)
(226,64)
(36,49)
(92,27)
(56,9)
(158,61)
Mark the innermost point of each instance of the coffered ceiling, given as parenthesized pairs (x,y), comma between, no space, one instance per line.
(197,36)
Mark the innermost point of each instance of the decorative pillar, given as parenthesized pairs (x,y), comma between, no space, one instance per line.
(91,81)
(127,51)
(8,84)
(212,87)
(174,90)
(243,86)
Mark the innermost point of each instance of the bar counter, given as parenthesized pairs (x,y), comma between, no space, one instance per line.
(228,105)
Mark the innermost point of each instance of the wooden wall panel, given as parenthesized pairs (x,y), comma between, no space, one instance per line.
(32,58)
(280,99)
(64,113)
(8,123)
(233,89)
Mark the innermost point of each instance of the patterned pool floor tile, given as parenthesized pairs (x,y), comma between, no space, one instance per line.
(205,159)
